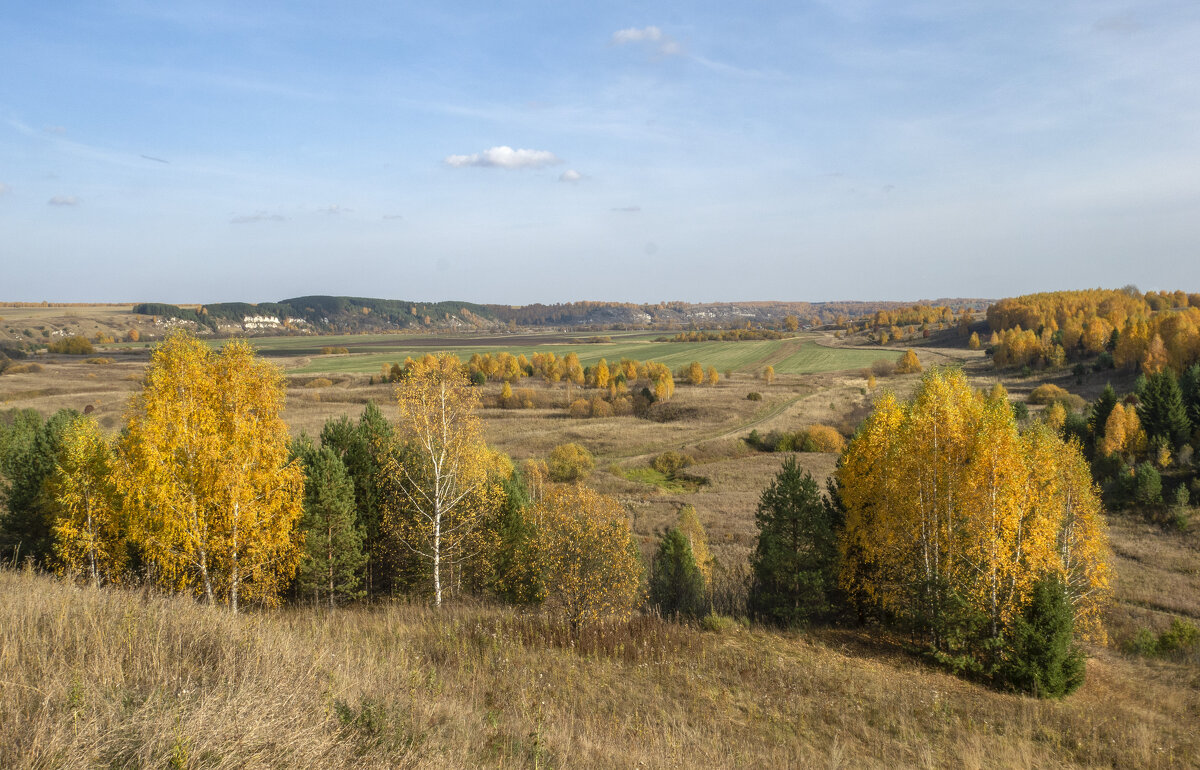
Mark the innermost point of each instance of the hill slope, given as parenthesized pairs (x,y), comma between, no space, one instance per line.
(130,679)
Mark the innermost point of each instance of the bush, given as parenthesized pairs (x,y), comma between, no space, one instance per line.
(1104,361)
(1020,410)
(580,408)
(100,361)
(319,382)
(30,368)
(669,462)
(754,396)
(883,368)
(1041,657)
(333,351)
(821,438)
(1181,636)
(74,346)
(1047,393)
(570,462)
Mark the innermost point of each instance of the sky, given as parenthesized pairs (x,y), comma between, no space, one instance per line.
(525,152)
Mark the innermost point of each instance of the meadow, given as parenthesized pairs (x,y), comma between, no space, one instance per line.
(136,679)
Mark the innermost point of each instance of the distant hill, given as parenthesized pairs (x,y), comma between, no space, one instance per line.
(323,313)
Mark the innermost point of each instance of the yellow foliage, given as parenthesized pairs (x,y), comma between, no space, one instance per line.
(441,490)
(713,376)
(689,525)
(88,536)
(589,563)
(212,496)
(908,363)
(945,491)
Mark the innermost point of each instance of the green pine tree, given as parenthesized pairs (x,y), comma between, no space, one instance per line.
(1041,657)
(1101,410)
(676,583)
(796,562)
(333,557)
(29,450)
(1189,387)
(517,579)
(1161,409)
(361,448)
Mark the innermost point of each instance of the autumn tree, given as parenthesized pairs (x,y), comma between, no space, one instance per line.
(569,462)
(695,373)
(439,481)
(586,555)
(795,561)
(953,515)
(204,467)
(88,528)
(768,374)
(973,342)
(908,363)
(689,524)
(713,376)
(791,323)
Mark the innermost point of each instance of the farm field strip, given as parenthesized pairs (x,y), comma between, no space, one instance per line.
(734,356)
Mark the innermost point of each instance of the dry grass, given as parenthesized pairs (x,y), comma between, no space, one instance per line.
(130,679)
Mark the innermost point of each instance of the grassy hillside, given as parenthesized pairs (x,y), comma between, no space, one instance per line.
(131,679)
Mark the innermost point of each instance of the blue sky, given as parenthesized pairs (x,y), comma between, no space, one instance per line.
(543,152)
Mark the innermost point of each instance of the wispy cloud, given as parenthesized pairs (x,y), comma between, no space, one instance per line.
(652,36)
(627,209)
(4,188)
(258,216)
(505,157)
(335,208)
(63,200)
(570,175)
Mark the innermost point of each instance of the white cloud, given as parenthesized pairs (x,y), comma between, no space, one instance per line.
(627,209)
(258,216)
(662,43)
(4,188)
(505,157)
(635,35)
(570,175)
(63,200)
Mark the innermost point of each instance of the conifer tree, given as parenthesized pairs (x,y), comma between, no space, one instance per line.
(1041,657)
(795,563)
(331,568)
(676,584)
(1161,409)
(1101,410)
(1189,387)
(29,450)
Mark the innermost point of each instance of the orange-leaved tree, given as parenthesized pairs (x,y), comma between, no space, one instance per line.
(212,497)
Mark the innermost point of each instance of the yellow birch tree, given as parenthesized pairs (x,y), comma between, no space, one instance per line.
(213,499)
(589,562)
(440,489)
(88,536)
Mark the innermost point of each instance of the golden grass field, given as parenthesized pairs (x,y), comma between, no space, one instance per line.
(138,680)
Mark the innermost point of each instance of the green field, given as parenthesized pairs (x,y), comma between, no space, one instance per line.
(795,356)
